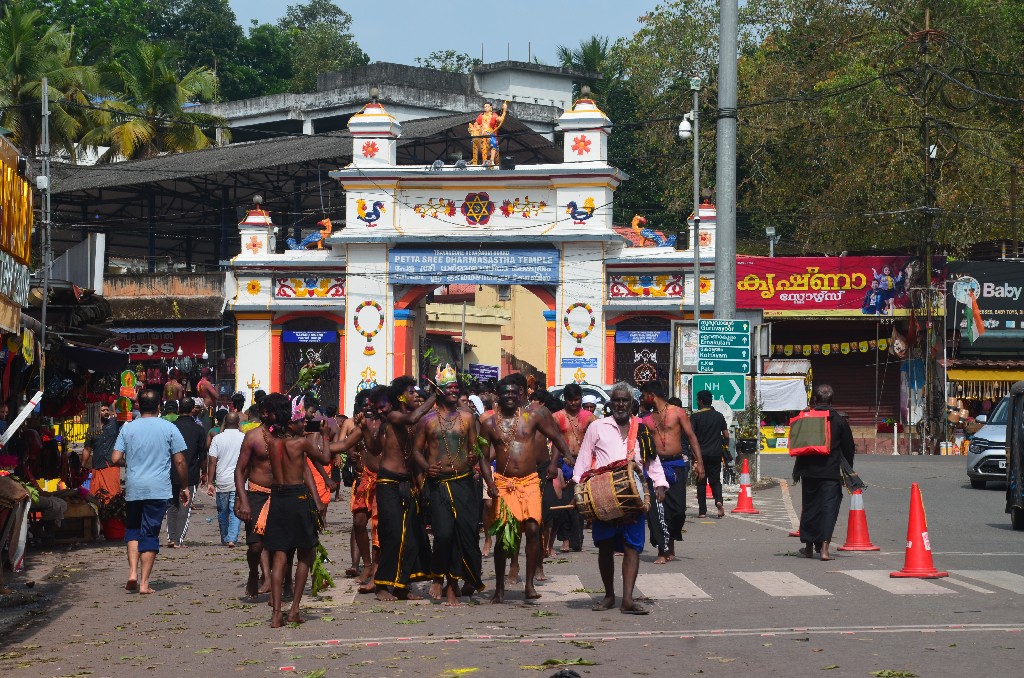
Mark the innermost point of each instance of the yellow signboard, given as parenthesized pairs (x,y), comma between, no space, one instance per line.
(15,206)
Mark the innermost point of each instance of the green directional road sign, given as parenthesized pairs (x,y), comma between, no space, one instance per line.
(727,387)
(722,353)
(727,366)
(724,326)
(722,339)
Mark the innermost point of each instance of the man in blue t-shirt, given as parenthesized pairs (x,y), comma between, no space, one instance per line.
(147,447)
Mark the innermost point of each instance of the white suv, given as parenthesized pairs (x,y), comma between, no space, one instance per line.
(986,453)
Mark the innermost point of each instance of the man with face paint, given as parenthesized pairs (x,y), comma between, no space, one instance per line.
(445,449)
(519,436)
(404,547)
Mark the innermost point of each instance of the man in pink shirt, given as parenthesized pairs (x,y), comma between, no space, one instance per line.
(605,442)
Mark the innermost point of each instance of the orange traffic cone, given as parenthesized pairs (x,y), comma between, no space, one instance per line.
(857,537)
(745,502)
(708,494)
(918,561)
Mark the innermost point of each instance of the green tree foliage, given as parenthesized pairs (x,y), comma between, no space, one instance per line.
(98,25)
(321,42)
(32,48)
(262,64)
(448,60)
(830,148)
(148,115)
(207,35)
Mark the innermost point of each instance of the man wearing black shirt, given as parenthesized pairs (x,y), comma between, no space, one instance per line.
(195,459)
(822,480)
(712,433)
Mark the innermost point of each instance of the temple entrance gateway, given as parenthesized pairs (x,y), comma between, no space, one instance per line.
(539,236)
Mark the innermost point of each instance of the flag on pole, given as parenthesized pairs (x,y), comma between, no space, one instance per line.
(975,328)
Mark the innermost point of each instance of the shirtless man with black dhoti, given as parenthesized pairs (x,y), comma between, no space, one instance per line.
(669,424)
(254,468)
(445,449)
(519,438)
(404,547)
(292,521)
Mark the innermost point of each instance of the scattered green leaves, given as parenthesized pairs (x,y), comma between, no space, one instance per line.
(548,663)
(544,613)
(249,624)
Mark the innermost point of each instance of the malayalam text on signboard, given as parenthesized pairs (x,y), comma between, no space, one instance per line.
(836,286)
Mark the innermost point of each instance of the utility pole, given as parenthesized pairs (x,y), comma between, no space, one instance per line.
(45,212)
(1013,211)
(462,341)
(695,232)
(725,172)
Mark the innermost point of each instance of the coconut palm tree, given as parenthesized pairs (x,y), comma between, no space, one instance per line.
(591,56)
(146,114)
(30,50)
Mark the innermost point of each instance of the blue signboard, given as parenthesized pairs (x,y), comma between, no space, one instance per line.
(309,337)
(473,266)
(586,363)
(484,372)
(643,337)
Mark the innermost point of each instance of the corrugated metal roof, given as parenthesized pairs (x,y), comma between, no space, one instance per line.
(257,155)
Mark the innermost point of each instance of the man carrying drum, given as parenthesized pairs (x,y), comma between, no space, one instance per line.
(618,438)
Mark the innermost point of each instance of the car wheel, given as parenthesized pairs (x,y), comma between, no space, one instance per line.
(978,483)
(1017,519)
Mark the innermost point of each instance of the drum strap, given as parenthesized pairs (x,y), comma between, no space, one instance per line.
(634,427)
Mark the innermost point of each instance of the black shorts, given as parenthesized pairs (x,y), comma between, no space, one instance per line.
(292,521)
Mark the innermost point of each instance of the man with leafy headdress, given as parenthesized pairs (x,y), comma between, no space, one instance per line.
(445,449)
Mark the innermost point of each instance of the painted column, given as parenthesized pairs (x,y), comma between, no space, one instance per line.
(551,320)
(276,360)
(404,337)
(252,351)
(369,340)
(341,371)
(609,353)
(581,313)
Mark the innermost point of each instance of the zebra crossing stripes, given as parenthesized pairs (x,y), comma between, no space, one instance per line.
(781,584)
(999,578)
(668,586)
(900,587)
(558,588)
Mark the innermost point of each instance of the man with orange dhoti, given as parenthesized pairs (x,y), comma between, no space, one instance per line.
(518,451)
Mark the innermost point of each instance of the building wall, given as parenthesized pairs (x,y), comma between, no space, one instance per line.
(528,341)
(484,327)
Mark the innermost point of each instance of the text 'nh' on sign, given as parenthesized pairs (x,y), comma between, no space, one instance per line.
(727,387)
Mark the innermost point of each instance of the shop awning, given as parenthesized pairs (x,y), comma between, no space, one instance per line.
(984,374)
(782,394)
(95,358)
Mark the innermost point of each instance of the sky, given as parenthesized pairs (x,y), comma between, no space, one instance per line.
(513,29)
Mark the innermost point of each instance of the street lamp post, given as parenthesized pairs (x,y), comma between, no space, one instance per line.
(772,239)
(690,126)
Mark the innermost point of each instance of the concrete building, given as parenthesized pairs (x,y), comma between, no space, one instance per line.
(537,95)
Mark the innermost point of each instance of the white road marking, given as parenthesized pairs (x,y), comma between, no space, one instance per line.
(781,584)
(669,586)
(902,587)
(1001,578)
(794,520)
(559,588)
(967,585)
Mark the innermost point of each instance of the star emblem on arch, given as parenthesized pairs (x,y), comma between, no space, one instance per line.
(477,208)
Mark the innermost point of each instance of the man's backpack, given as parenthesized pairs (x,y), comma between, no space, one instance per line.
(810,434)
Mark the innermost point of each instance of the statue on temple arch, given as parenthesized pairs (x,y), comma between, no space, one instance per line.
(484,131)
